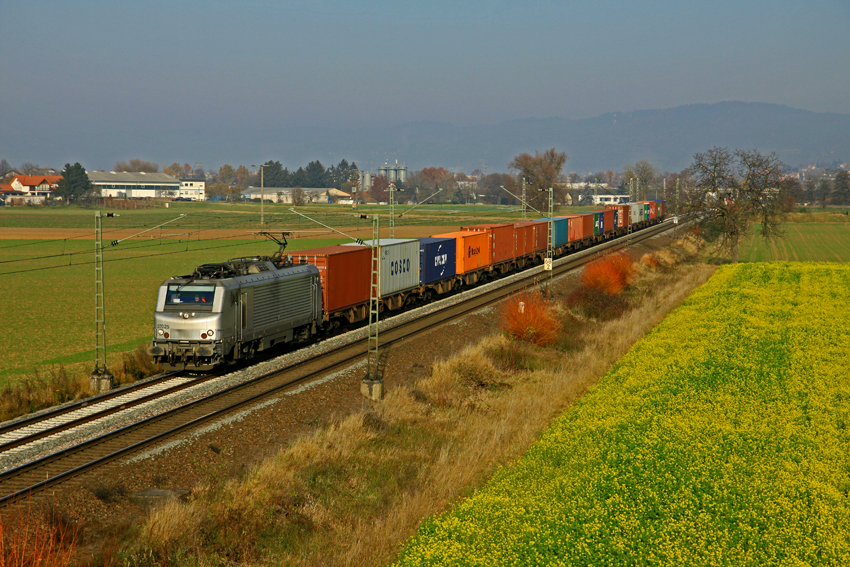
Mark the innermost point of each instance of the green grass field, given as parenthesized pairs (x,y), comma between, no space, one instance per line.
(50,315)
(803,242)
(206,215)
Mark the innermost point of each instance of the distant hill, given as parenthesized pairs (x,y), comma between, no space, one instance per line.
(667,138)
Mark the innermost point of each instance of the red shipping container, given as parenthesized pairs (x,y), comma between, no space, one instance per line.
(535,235)
(345,272)
(581,226)
(622,214)
(472,249)
(502,240)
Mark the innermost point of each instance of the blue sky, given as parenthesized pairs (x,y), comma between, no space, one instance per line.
(85,71)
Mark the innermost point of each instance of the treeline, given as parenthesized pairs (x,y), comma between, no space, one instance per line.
(229,182)
(829,188)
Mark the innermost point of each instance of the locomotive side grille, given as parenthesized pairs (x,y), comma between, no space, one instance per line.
(282,301)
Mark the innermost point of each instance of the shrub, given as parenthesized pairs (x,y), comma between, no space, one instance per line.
(513,356)
(528,317)
(611,274)
(597,304)
(649,260)
(137,364)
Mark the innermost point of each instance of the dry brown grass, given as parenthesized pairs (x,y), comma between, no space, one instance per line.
(42,391)
(354,492)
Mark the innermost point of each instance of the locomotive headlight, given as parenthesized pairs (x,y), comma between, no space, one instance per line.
(185,315)
(160,332)
(210,333)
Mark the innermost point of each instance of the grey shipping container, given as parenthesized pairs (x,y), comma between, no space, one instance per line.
(437,259)
(635,213)
(399,264)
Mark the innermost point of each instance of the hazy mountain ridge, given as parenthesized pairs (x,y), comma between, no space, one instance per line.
(668,138)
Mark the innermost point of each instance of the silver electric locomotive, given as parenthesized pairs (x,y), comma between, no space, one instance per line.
(228,311)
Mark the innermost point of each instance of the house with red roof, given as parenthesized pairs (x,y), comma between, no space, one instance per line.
(36,188)
(9,196)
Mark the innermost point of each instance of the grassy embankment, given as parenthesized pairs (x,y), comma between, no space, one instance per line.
(352,493)
(720,439)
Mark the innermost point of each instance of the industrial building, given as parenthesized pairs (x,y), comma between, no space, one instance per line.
(132,185)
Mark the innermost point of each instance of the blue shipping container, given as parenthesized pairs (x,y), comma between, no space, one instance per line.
(437,259)
(560,231)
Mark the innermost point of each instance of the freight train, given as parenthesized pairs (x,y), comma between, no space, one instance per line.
(229,311)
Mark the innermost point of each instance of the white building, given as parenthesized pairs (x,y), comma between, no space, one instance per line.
(610,199)
(193,189)
(130,185)
(36,188)
(284,194)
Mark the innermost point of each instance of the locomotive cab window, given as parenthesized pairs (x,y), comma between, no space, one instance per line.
(194,295)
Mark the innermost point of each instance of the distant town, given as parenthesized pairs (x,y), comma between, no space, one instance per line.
(820,184)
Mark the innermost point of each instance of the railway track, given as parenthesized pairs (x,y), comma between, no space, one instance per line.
(69,463)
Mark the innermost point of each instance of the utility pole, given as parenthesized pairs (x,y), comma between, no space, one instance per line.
(524,200)
(357,181)
(101,379)
(677,195)
(262,194)
(392,210)
(547,265)
(372,385)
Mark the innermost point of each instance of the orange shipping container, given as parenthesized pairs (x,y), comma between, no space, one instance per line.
(531,236)
(472,249)
(502,240)
(581,226)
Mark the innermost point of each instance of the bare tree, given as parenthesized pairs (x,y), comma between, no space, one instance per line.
(541,171)
(735,190)
(5,167)
(298,196)
(841,187)
(644,174)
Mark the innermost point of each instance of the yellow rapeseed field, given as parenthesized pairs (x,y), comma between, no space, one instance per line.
(722,438)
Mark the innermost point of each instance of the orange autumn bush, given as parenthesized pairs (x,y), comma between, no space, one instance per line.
(528,316)
(611,273)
